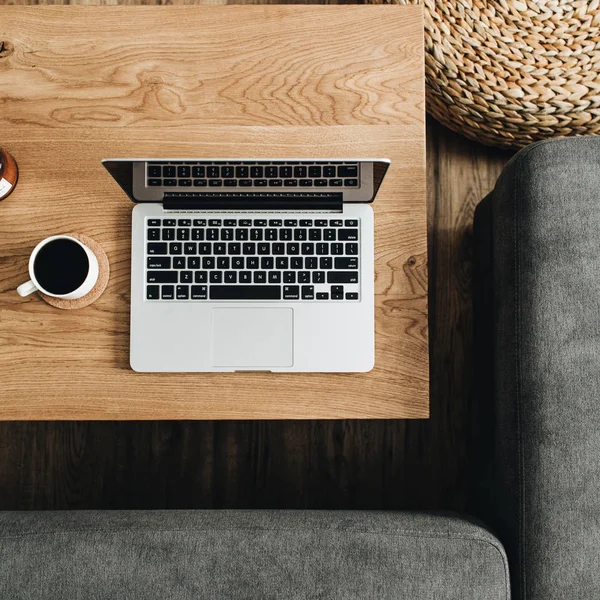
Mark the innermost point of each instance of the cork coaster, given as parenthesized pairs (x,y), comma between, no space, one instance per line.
(96,291)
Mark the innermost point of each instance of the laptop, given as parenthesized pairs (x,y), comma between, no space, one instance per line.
(251,265)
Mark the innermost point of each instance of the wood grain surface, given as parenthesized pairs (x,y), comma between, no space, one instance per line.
(80,84)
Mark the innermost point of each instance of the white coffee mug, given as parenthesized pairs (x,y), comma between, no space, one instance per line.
(84,288)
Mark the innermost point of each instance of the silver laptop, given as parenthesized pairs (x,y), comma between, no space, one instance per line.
(251,265)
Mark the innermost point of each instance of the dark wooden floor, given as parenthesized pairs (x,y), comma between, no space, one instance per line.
(315,464)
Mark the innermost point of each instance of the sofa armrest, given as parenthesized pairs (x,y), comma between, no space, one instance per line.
(537,342)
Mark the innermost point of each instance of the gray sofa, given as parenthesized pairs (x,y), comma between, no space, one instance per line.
(537,311)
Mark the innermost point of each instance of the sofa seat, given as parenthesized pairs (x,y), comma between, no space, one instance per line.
(248,554)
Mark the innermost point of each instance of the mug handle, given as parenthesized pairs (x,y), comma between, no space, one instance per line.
(26,288)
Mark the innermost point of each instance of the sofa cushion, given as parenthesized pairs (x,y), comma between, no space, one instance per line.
(538,322)
(247,554)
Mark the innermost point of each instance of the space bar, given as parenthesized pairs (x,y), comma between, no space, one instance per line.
(245,292)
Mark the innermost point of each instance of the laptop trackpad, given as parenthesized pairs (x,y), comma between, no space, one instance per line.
(252,337)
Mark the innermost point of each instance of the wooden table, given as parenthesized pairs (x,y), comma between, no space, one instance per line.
(78,84)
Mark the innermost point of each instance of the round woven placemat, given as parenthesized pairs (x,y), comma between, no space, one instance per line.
(96,291)
(510,72)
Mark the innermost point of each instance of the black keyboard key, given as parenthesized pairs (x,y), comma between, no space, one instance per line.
(168,292)
(318,277)
(275,223)
(329,234)
(198,235)
(230,277)
(342,277)
(245,182)
(351,295)
(285,234)
(215,277)
(277,248)
(152,292)
(351,182)
(170,182)
(252,262)
(193,262)
(321,223)
(291,223)
(245,292)
(322,296)
(274,277)
(153,222)
(261,182)
(337,248)
(256,235)
(154,182)
(285,172)
(200,183)
(290,182)
(314,235)
(249,248)
(336,223)
(337,292)
(183,171)
(219,248)
(304,277)
(300,235)
(153,234)
(275,182)
(307,248)
(322,249)
(351,249)
(300,171)
(185,277)
(161,277)
(282,263)
(230,222)
(199,222)
(184,222)
(212,234)
(289,277)
(199,292)
(215,182)
(245,223)
(179,262)
(308,292)
(245,277)
(270,235)
(329,171)
(267,262)
(169,223)
(311,262)
(264,248)
(237,262)
(157,248)
(190,248)
(347,171)
(306,182)
(183,235)
(351,223)
(198,172)
(227,171)
(314,171)
(154,171)
(241,172)
(325,262)
(241,234)
(208,262)
(296,262)
(256,172)
(215,222)
(185,183)
(204,249)
(168,234)
(226,234)
(213,172)
(335,183)
(200,276)
(223,262)
(291,292)
(260,277)
(169,171)
(320,182)
(293,248)
(271,172)
(349,235)
(230,182)
(260,222)
(159,262)
(306,222)
(346,263)
(234,248)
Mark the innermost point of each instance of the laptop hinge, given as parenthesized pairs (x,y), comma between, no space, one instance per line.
(327,201)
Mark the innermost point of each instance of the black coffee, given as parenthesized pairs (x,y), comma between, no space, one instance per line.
(61,266)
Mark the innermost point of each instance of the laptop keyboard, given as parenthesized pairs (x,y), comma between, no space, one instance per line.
(278,174)
(252,259)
